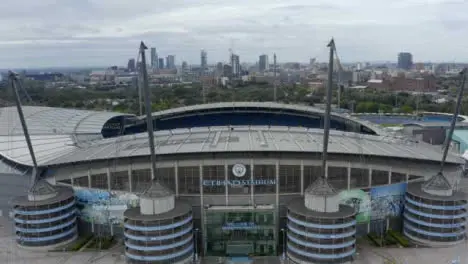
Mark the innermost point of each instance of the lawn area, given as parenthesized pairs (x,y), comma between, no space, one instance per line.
(391,238)
(102,243)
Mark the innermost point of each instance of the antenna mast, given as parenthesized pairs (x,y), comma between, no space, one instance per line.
(454,118)
(326,121)
(149,118)
(14,81)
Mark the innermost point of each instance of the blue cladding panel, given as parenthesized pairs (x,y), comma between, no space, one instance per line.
(233,118)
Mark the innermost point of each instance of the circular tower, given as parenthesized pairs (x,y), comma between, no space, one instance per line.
(46,217)
(160,230)
(320,230)
(435,214)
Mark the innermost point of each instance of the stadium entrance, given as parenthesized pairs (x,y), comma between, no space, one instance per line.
(240,231)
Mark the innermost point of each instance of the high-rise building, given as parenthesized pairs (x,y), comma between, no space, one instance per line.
(161,63)
(219,68)
(235,64)
(203,60)
(312,62)
(184,67)
(170,62)
(405,60)
(154,58)
(131,65)
(263,63)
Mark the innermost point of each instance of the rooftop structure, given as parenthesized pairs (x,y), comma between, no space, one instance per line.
(62,149)
(56,121)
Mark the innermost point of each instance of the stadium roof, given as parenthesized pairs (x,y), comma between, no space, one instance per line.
(237,106)
(53,131)
(62,136)
(231,139)
(53,121)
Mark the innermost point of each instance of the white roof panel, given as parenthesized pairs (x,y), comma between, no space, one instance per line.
(55,133)
(245,139)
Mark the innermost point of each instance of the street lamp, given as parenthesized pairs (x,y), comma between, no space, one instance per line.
(195,240)
(284,242)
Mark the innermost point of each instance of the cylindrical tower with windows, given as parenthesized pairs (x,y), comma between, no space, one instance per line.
(320,230)
(160,230)
(46,217)
(435,214)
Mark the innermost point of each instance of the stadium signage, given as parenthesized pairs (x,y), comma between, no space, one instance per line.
(239,226)
(237,182)
(239,170)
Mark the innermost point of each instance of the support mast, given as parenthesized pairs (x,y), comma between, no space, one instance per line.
(326,121)
(149,117)
(14,82)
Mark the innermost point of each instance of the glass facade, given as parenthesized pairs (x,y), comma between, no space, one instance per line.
(234,230)
(240,233)
(219,179)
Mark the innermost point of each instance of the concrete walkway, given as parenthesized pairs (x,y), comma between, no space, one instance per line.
(11,254)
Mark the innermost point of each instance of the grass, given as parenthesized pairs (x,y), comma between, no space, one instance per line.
(102,243)
(399,238)
(379,241)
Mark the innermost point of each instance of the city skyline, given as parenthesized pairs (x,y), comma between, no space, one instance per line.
(87,34)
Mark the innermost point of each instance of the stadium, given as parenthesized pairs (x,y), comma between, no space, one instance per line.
(239,172)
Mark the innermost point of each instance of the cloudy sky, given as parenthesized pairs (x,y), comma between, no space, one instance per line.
(107,32)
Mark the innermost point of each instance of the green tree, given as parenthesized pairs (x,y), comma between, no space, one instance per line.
(367,107)
(406,109)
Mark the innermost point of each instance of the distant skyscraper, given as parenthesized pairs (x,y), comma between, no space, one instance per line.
(219,68)
(405,60)
(184,66)
(203,59)
(170,62)
(131,65)
(235,64)
(312,61)
(161,63)
(227,70)
(263,63)
(154,58)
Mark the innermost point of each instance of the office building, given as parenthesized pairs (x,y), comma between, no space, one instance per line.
(263,64)
(161,63)
(170,62)
(405,61)
(235,66)
(131,65)
(154,59)
(203,60)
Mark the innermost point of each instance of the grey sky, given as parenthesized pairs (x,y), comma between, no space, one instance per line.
(107,32)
